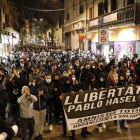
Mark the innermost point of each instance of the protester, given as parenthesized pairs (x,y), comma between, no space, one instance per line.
(42,95)
(48,73)
(5,127)
(26,113)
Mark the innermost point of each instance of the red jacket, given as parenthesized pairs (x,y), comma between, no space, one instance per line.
(133,64)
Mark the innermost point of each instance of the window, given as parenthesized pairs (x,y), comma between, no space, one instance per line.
(68,13)
(114,5)
(129,2)
(68,16)
(0,14)
(105,7)
(74,8)
(3,9)
(73,5)
(100,8)
(77,7)
(81,7)
(123,3)
(90,13)
(7,19)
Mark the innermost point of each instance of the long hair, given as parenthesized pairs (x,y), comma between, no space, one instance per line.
(111,73)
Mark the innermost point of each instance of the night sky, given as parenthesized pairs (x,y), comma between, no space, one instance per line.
(32,4)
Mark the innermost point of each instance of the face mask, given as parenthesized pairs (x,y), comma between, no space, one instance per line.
(121,80)
(101,66)
(22,65)
(18,72)
(73,78)
(33,83)
(128,74)
(77,64)
(93,67)
(48,80)
(101,80)
(82,67)
(64,74)
(65,60)
(70,67)
(15,59)
(125,67)
(38,85)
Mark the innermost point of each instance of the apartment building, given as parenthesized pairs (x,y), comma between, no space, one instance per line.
(122,19)
(74,29)
(11,24)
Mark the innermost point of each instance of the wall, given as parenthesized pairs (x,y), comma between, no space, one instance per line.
(77,17)
(125,34)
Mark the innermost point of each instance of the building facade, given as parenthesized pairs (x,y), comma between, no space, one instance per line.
(121,18)
(11,24)
(74,24)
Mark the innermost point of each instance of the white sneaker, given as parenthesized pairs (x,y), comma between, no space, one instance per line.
(103,126)
(50,127)
(100,129)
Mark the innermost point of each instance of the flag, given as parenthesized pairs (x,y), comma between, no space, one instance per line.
(81,34)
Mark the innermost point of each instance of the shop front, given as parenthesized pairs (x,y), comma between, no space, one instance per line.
(75,35)
(122,41)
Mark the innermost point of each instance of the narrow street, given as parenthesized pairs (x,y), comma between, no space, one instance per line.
(111,133)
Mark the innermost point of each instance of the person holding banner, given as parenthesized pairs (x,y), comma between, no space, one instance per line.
(101,83)
(58,87)
(67,88)
(121,82)
(89,84)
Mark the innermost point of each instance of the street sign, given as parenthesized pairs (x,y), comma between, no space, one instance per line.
(103,37)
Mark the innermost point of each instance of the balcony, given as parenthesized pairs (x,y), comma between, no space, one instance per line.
(127,15)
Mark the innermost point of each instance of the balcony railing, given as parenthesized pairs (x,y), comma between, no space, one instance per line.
(126,15)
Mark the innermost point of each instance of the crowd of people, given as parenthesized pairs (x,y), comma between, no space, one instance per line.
(32,80)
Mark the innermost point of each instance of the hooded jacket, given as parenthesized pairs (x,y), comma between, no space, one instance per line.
(67,87)
(26,104)
(41,101)
(88,84)
(99,84)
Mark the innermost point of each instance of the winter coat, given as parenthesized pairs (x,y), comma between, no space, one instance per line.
(3,102)
(41,101)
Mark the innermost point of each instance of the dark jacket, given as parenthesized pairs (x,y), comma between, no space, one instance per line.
(50,88)
(66,87)
(84,75)
(14,90)
(41,101)
(59,85)
(3,102)
(105,69)
(99,84)
(88,84)
(137,69)
(5,127)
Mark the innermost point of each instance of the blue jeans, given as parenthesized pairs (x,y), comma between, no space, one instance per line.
(13,113)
